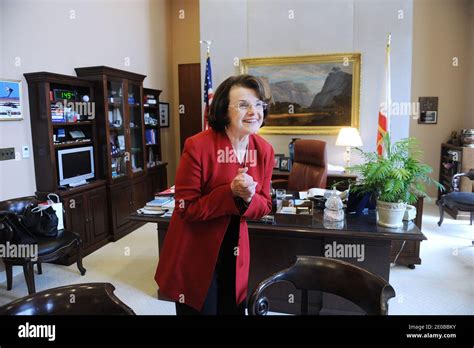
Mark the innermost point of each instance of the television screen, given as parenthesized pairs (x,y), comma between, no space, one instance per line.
(76,165)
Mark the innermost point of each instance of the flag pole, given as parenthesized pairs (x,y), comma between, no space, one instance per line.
(208,92)
(389,84)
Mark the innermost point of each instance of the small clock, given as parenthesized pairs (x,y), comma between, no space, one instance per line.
(60,94)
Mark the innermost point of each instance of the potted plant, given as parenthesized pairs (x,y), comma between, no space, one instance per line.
(395,179)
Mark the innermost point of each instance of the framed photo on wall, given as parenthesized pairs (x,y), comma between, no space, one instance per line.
(164,115)
(316,94)
(10,100)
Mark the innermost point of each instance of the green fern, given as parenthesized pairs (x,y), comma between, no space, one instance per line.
(397,177)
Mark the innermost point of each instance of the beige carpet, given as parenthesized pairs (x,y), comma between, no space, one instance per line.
(442,284)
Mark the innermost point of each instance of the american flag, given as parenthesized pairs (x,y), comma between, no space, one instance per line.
(208,93)
(385,105)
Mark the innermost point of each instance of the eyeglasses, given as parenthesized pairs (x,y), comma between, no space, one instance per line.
(245,106)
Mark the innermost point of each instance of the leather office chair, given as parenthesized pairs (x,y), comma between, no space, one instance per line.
(309,169)
(463,201)
(49,248)
(365,289)
(76,299)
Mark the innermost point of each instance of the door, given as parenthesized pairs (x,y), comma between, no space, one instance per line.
(98,213)
(190,122)
(139,194)
(77,218)
(122,204)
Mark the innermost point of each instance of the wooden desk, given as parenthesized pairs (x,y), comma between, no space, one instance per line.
(332,178)
(274,247)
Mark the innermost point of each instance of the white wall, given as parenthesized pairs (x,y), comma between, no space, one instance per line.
(103,32)
(262,28)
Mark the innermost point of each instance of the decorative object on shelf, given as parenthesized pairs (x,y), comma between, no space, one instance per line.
(310,94)
(285,164)
(397,179)
(10,100)
(334,208)
(117,118)
(454,139)
(278,158)
(291,149)
(164,115)
(467,137)
(348,137)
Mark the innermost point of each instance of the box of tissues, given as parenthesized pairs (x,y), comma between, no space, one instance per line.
(410,213)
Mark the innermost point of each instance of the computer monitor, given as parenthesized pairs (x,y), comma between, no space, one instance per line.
(76,165)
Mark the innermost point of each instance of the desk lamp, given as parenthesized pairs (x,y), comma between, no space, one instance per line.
(348,137)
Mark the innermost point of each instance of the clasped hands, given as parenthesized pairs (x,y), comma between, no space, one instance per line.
(243,185)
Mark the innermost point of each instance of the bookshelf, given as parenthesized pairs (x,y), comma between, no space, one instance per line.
(61,108)
(151,101)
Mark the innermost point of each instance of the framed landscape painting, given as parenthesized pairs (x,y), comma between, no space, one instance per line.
(309,94)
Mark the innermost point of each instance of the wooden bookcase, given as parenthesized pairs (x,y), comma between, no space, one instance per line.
(85,206)
(121,136)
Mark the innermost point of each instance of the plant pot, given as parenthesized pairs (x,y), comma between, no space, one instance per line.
(390,214)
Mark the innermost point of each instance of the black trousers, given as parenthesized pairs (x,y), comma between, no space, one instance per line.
(220,298)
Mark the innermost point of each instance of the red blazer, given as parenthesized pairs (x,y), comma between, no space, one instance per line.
(203,207)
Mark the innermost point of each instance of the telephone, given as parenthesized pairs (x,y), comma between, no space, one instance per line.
(77,134)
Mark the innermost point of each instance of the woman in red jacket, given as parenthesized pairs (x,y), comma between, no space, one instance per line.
(223,179)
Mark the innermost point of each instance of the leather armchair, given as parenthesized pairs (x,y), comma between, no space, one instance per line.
(49,248)
(89,299)
(313,273)
(309,169)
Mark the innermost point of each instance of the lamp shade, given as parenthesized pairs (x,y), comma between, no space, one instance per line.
(348,136)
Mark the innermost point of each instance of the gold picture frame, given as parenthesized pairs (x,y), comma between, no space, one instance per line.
(314,94)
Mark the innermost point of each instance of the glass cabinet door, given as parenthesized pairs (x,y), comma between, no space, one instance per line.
(117,147)
(136,128)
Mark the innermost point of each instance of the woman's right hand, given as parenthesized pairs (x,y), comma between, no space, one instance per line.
(243,185)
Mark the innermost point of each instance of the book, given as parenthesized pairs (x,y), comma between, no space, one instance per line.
(158,202)
(167,192)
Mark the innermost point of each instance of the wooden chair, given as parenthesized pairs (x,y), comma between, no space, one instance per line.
(309,169)
(365,289)
(463,201)
(76,299)
(50,249)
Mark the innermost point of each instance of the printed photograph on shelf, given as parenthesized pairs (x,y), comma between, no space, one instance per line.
(278,158)
(317,94)
(164,115)
(10,100)
(285,164)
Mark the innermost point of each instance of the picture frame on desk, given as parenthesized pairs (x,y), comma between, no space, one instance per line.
(164,115)
(278,157)
(285,164)
(10,100)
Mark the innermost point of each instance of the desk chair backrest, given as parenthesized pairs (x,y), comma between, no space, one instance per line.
(76,299)
(365,289)
(310,167)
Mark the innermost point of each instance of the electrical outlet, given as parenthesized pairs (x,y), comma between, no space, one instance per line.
(7,153)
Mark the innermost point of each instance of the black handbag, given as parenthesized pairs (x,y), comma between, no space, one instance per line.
(12,230)
(41,222)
